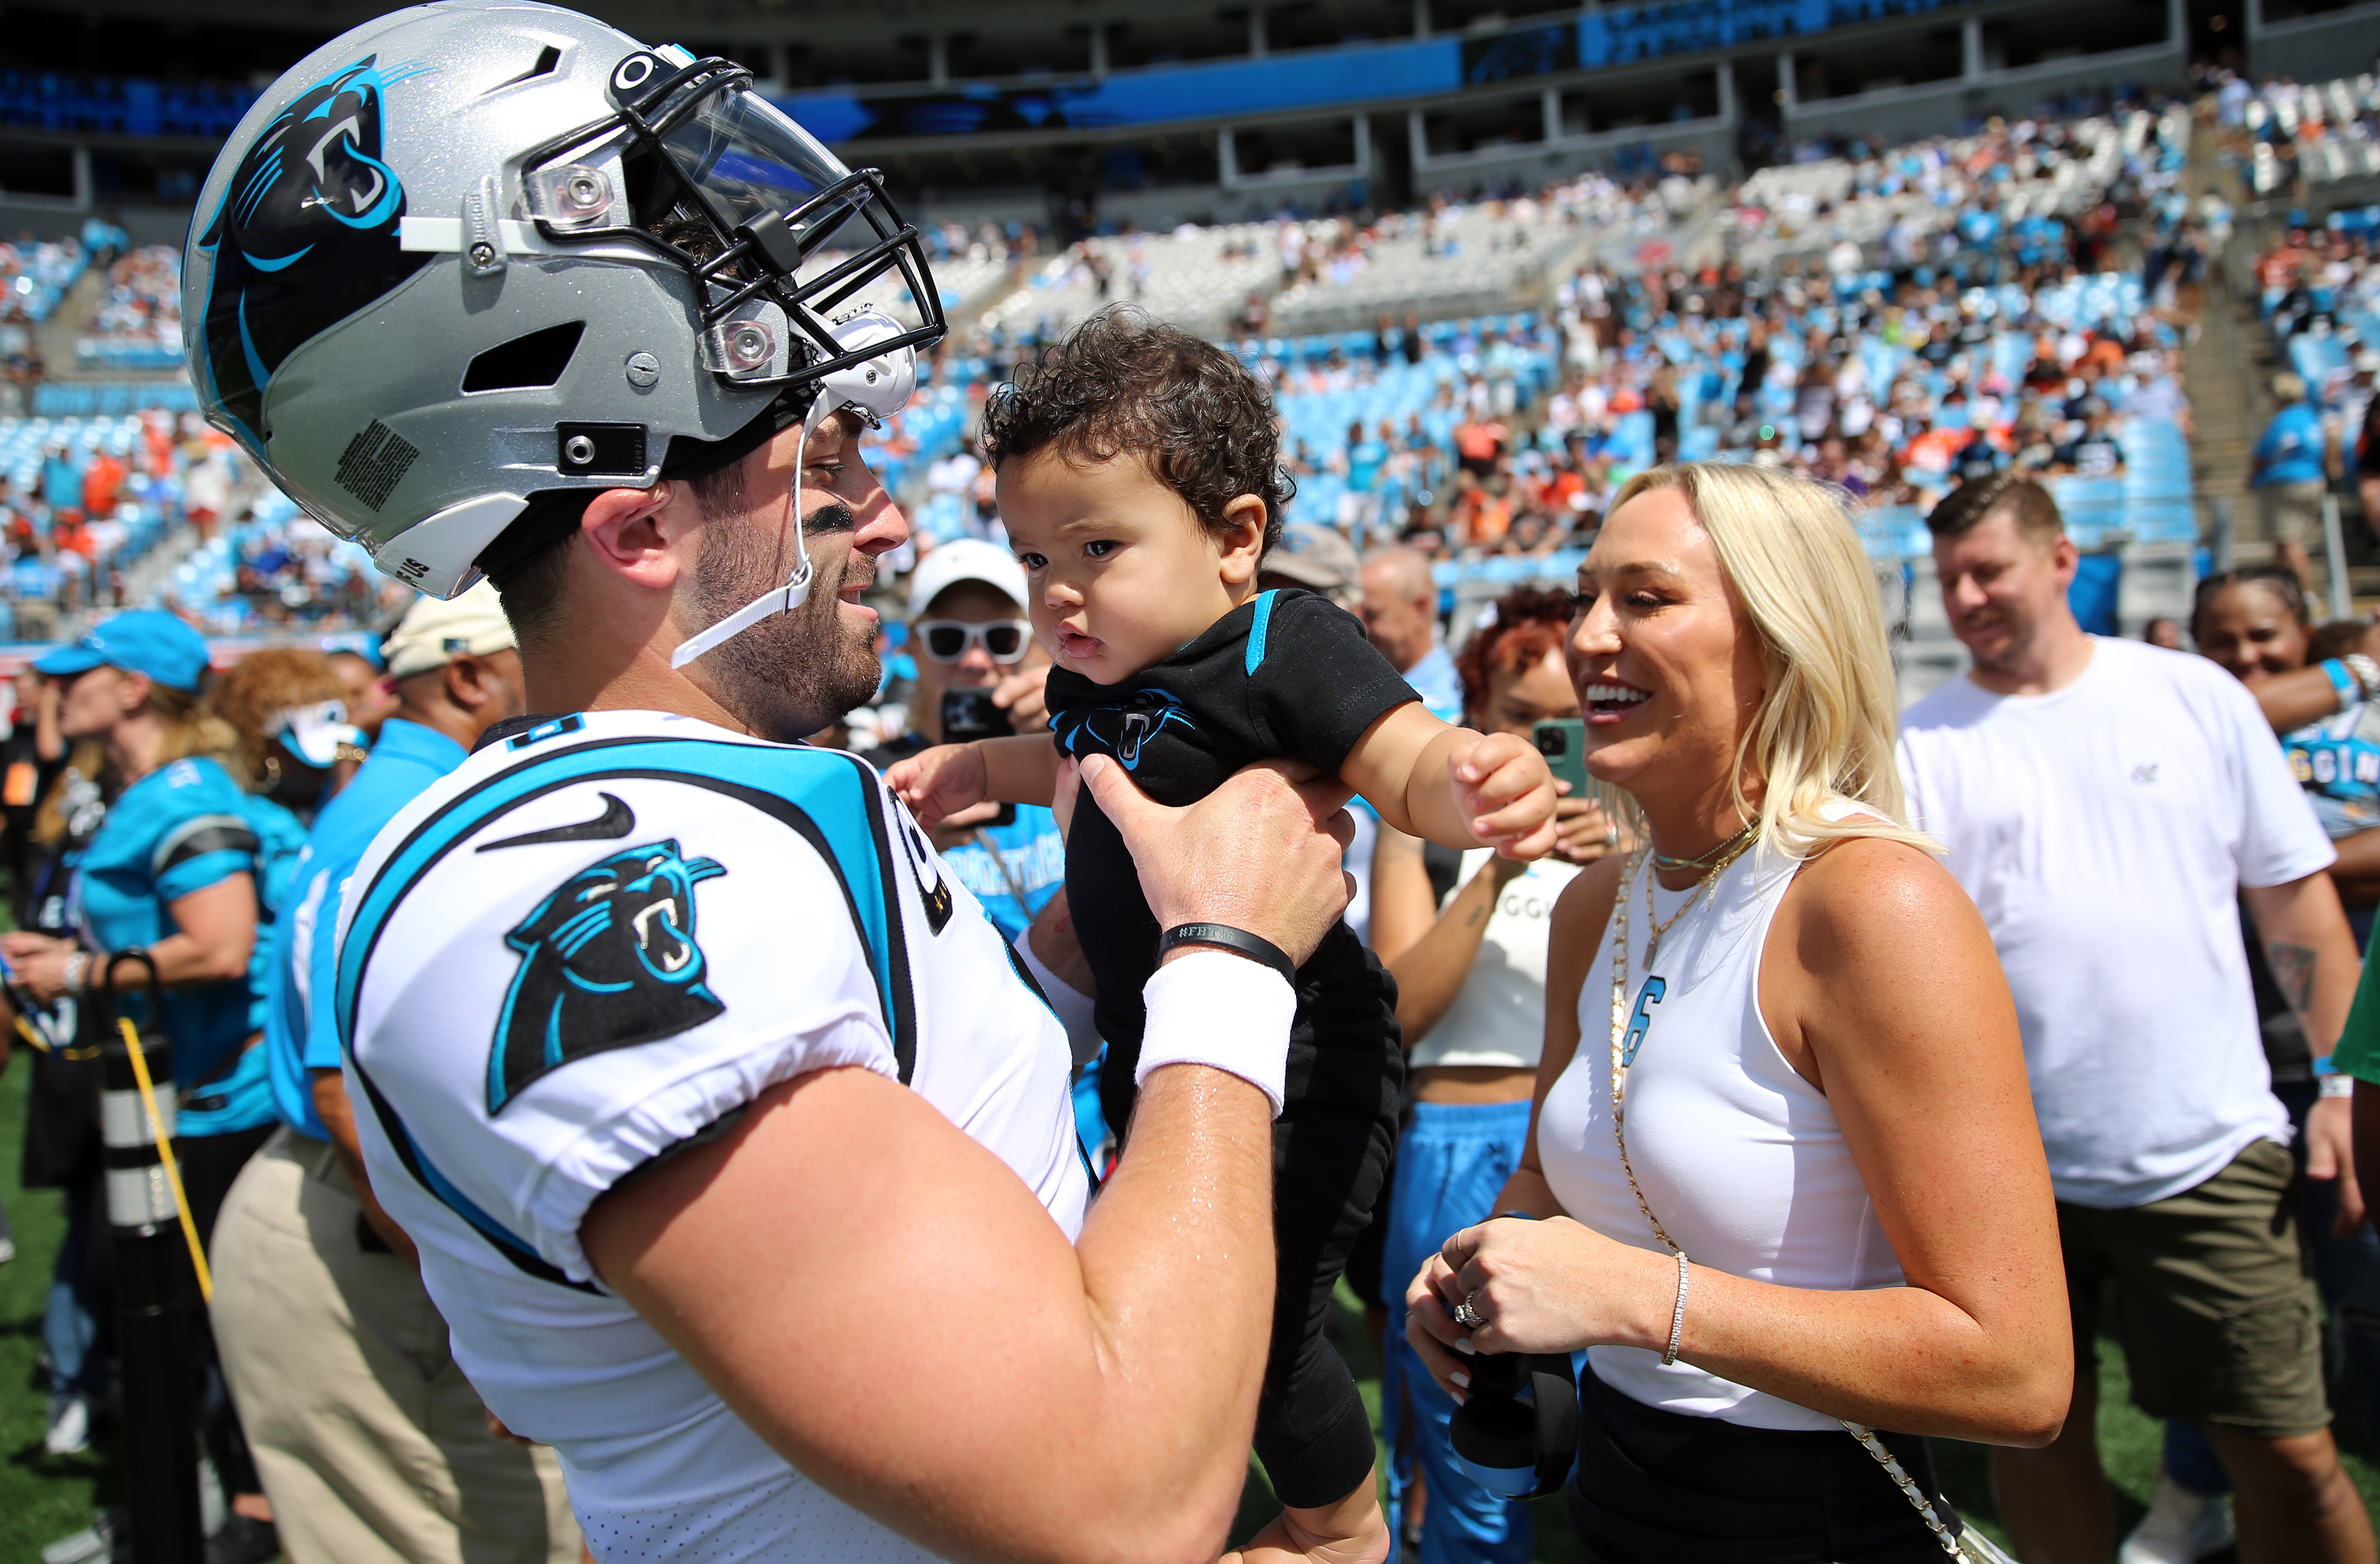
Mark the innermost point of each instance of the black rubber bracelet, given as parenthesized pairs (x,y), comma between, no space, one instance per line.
(1255,947)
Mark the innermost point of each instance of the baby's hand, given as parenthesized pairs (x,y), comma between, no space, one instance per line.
(1500,782)
(939,781)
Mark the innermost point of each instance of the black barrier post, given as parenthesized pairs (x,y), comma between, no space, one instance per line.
(155,1349)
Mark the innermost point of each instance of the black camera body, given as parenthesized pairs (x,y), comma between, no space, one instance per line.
(969,715)
(1517,1436)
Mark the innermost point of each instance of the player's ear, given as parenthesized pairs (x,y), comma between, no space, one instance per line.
(1243,538)
(638,533)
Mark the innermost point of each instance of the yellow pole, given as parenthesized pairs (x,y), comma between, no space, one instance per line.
(165,1153)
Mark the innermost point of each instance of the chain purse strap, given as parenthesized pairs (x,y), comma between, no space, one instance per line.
(1973,1548)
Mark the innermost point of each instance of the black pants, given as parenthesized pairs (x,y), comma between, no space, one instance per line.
(1342,1095)
(1656,1487)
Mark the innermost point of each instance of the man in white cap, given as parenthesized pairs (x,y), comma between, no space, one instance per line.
(969,632)
(373,1448)
(970,635)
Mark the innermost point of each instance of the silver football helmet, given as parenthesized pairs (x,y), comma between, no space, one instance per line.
(417,304)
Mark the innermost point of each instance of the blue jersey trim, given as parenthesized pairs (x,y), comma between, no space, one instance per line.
(1257,630)
(511,1245)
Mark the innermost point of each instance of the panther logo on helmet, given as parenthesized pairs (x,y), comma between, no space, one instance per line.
(608,960)
(306,236)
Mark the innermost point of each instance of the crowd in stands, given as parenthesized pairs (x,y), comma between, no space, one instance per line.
(1889,319)
(1904,320)
(139,324)
(2290,135)
(83,500)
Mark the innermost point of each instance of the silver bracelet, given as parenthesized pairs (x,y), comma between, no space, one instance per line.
(2366,672)
(2338,1085)
(72,972)
(1677,1314)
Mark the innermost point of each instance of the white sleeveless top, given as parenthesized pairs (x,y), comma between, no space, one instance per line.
(1738,1156)
(1499,1015)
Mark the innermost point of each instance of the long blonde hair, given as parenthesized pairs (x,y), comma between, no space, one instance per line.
(1828,713)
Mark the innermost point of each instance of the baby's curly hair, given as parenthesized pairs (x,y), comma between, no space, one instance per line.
(1123,384)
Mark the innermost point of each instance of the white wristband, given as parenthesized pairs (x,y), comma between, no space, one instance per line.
(2338,1085)
(1074,1007)
(1222,1010)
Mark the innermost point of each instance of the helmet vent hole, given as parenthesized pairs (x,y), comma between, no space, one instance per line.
(547,59)
(526,362)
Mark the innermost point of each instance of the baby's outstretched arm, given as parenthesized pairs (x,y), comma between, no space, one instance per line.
(951,777)
(1452,786)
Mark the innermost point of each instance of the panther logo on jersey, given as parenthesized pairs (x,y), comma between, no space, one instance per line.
(1122,729)
(608,960)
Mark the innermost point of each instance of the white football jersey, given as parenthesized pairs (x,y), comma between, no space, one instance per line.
(595,942)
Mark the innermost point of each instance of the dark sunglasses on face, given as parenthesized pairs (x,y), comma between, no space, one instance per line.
(947,640)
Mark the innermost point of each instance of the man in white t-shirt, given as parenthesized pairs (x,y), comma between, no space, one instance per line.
(2107,804)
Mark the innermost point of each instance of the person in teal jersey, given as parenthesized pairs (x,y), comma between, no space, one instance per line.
(320,1289)
(287,705)
(171,870)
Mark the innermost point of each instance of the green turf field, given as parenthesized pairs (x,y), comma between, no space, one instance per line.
(44,1498)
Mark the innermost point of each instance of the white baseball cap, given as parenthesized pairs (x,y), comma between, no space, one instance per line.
(433,633)
(966,559)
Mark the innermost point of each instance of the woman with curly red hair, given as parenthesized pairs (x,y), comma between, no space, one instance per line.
(1468,948)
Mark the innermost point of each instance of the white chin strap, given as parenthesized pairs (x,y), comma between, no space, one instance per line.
(786,598)
(875,389)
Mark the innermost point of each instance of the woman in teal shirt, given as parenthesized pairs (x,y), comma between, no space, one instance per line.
(172,870)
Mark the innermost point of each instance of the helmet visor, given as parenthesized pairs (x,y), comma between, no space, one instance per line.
(751,161)
(781,238)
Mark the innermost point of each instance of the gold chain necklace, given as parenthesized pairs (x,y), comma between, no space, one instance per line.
(1973,1546)
(1736,848)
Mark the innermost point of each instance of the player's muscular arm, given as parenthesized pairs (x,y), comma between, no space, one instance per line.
(1452,786)
(911,1329)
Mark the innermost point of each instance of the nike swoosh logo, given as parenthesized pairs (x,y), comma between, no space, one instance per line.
(617,820)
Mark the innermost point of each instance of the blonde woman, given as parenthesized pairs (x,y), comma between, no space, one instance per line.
(1826,1213)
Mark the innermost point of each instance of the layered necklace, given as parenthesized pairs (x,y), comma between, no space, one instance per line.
(1721,860)
(1713,864)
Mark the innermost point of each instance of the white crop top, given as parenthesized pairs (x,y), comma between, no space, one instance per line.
(1740,1157)
(1499,1015)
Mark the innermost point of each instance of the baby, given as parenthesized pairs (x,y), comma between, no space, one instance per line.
(1138,478)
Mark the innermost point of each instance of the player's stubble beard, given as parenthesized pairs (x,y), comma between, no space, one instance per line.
(792,674)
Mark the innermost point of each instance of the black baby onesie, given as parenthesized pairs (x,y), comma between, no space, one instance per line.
(1286,675)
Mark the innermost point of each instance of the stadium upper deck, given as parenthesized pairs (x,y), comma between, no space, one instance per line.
(1152,111)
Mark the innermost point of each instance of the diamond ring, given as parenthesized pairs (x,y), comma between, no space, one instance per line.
(1467,1312)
